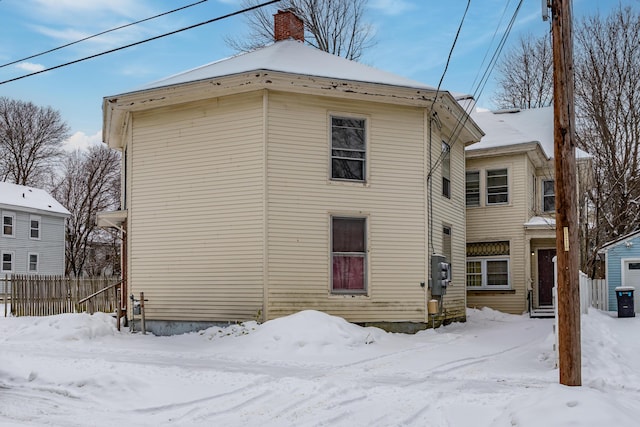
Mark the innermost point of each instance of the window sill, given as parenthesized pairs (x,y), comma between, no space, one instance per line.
(491,291)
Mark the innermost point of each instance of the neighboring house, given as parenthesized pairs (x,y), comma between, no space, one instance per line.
(288,179)
(32,237)
(622,266)
(510,211)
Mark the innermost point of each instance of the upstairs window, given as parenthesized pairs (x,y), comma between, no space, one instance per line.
(34,227)
(348,255)
(446,170)
(548,196)
(497,187)
(8,224)
(472,188)
(348,149)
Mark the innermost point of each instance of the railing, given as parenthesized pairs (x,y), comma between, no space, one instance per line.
(31,295)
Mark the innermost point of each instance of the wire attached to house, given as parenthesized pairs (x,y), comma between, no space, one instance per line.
(461,121)
(102,33)
(431,118)
(239,12)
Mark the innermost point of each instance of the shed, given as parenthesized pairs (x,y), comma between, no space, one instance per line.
(622,266)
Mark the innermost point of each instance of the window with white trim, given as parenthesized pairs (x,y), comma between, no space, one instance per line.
(8,224)
(348,149)
(34,227)
(472,188)
(33,261)
(488,265)
(6,262)
(348,255)
(548,195)
(446,170)
(497,187)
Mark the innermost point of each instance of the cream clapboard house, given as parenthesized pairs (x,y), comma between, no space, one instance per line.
(288,179)
(510,211)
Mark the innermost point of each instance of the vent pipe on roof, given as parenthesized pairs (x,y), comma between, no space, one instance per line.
(287,25)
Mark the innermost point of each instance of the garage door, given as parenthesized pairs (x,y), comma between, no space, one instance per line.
(631,277)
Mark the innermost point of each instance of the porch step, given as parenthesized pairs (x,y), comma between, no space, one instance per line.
(543,312)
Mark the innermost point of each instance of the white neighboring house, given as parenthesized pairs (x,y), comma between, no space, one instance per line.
(32,237)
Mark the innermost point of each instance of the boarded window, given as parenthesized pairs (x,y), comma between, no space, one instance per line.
(348,253)
(348,149)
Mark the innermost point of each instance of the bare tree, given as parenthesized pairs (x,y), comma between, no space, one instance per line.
(607,105)
(608,118)
(526,74)
(90,183)
(334,26)
(30,141)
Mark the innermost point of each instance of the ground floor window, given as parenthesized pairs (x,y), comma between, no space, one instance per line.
(488,265)
(6,263)
(348,255)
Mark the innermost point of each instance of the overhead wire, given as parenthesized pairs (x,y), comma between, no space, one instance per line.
(101,33)
(461,121)
(238,12)
(431,118)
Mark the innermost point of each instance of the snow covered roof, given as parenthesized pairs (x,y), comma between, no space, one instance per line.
(20,196)
(540,222)
(289,56)
(513,127)
(620,240)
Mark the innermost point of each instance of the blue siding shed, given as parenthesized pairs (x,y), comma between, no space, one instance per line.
(622,266)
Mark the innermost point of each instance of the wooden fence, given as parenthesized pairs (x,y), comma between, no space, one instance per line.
(31,295)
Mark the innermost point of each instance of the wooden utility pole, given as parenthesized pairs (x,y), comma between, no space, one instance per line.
(567,246)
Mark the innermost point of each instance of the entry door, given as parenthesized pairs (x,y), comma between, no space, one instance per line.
(545,276)
(631,277)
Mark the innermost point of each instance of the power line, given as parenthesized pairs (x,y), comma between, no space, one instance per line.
(142,41)
(101,33)
(480,88)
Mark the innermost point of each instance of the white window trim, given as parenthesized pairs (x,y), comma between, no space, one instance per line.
(479,189)
(548,195)
(29,262)
(39,219)
(337,114)
(446,149)
(354,293)
(486,184)
(483,268)
(13,261)
(13,227)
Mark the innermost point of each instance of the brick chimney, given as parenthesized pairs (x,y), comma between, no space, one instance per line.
(288,26)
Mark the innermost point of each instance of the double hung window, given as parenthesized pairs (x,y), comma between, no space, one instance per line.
(348,255)
(548,196)
(348,149)
(8,224)
(497,186)
(472,188)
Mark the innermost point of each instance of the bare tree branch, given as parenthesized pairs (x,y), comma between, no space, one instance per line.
(334,26)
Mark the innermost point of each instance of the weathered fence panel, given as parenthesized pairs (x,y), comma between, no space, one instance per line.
(39,295)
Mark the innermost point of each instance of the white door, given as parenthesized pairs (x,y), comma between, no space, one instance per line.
(631,277)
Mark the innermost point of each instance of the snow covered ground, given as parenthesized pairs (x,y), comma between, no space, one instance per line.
(311,369)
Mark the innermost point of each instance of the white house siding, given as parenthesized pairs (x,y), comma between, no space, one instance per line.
(195,204)
(451,212)
(301,199)
(502,222)
(50,246)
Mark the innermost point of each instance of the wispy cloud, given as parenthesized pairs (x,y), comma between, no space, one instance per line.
(82,141)
(31,67)
(391,7)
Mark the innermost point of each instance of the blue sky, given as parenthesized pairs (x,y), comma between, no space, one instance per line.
(413,38)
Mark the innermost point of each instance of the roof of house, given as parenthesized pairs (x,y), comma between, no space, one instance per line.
(619,241)
(20,196)
(289,56)
(514,127)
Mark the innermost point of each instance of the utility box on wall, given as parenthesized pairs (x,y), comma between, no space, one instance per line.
(440,275)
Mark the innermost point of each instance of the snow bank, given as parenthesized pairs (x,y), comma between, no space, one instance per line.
(62,327)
